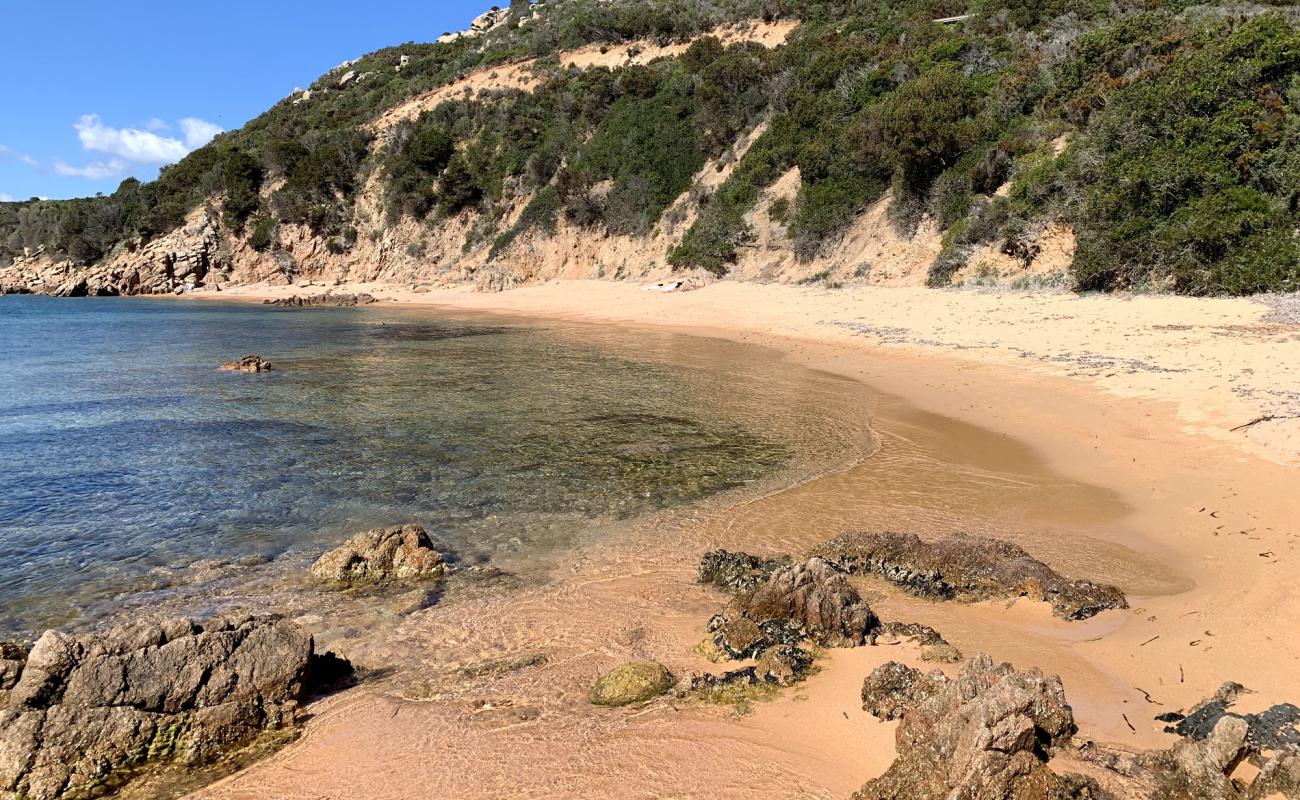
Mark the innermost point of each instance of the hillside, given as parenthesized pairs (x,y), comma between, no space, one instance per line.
(1132,145)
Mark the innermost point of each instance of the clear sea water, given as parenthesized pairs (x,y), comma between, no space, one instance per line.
(124,450)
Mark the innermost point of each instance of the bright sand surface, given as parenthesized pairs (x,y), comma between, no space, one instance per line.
(1094,431)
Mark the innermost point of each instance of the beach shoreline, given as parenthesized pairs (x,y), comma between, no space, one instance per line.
(1097,455)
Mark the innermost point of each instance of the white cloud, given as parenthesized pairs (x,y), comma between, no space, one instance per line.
(8,152)
(198,132)
(130,144)
(6,198)
(95,170)
(127,147)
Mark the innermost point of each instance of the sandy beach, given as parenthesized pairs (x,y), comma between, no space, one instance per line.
(1103,434)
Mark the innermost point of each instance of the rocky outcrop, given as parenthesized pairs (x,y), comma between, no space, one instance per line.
(738,572)
(85,709)
(402,553)
(989,733)
(969,569)
(326,300)
(250,363)
(634,682)
(985,735)
(810,601)
(186,258)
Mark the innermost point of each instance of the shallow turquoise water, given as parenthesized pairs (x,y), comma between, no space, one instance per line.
(123,450)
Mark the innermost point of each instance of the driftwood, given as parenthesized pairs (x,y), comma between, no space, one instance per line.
(1265,418)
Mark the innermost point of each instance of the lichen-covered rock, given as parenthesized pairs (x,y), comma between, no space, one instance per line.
(810,601)
(738,572)
(967,568)
(634,682)
(402,553)
(87,707)
(983,736)
(892,687)
(250,363)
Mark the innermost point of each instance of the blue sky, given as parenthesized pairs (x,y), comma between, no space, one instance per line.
(95,91)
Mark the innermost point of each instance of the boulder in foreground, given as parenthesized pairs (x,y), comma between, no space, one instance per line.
(967,568)
(986,734)
(634,682)
(89,709)
(404,552)
(989,733)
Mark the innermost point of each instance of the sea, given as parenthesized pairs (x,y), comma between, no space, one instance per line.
(127,455)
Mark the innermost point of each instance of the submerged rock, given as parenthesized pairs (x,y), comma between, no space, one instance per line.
(634,682)
(738,572)
(967,568)
(810,601)
(402,553)
(86,709)
(987,734)
(249,363)
(326,300)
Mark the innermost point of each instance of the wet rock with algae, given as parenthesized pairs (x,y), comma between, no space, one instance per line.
(633,682)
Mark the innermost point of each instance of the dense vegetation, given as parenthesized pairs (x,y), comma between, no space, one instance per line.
(1167,135)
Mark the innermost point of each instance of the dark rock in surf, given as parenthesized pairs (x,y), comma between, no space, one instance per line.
(738,572)
(967,568)
(327,300)
(250,364)
(401,553)
(87,709)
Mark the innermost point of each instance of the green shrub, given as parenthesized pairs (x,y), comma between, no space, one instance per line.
(263,235)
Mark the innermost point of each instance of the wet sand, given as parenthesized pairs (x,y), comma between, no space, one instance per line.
(1099,482)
